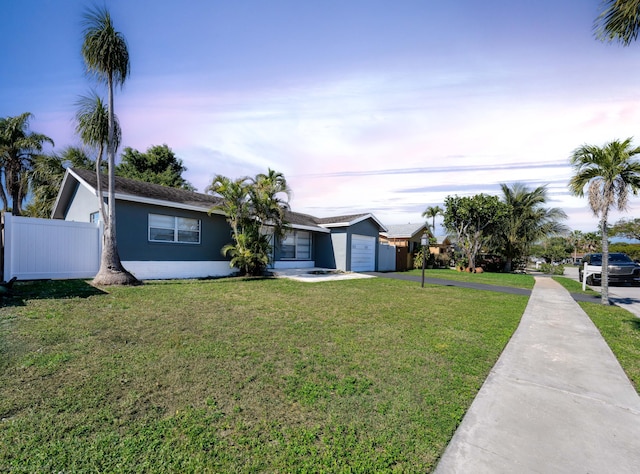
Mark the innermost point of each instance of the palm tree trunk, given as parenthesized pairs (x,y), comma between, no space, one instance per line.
(111,270)
(604,289)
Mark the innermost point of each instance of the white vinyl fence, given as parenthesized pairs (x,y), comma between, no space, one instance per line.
(49,248)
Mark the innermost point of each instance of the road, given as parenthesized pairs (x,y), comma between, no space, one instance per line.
(627,297)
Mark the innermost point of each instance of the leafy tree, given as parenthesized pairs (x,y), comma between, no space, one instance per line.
(106,56)
(552,249)
(18,149)
(619,21)
(629,228)
(46,175)
(610,173)
(633,250)
(157,165)
(472,220)
(433,212)
(525,222)
(255,211)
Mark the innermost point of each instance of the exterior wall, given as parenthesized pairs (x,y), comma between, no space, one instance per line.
(323,251)
(341,250)
(366,227)
(82,204)
(162,270)
(133,236)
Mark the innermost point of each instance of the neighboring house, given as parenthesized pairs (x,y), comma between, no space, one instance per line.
(166,232)
(406,238)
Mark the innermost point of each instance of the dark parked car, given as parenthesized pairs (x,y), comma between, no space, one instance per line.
(621,268)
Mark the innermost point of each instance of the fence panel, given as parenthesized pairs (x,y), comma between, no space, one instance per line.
(50,248)
(386,258)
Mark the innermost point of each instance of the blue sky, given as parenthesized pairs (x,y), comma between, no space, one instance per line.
(366,106)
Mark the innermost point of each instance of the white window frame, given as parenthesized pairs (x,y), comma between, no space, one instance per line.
(296,245)
(175,228)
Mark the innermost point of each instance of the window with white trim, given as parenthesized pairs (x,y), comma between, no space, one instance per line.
(173,229)
(296,245)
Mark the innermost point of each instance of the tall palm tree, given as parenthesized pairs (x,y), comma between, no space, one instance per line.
(18,148)
(619,21)
(92,125)
(526,222)
(106,57)
(433,212)
(610,172)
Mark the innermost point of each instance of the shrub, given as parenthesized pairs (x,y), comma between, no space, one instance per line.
(552,269)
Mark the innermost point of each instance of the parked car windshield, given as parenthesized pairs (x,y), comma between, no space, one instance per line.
(613,258)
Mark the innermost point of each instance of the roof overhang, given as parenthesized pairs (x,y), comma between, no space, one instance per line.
(361,218)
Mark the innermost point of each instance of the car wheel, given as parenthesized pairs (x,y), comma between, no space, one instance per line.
(590,280)
(580,277)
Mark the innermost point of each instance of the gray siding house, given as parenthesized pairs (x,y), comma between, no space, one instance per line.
(172,233)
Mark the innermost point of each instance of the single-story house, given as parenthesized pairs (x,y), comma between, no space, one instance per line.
(165,232)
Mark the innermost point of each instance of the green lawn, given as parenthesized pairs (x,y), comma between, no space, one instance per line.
(515,280)
(232,375)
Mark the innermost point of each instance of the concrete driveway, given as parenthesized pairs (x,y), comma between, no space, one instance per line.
(627,296)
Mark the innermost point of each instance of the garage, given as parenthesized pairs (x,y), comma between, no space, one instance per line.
(363,253)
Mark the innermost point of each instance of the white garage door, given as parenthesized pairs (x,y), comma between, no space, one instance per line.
(363,253)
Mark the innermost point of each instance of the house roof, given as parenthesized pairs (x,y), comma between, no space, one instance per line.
(404,231)
(348,220)
(140,191)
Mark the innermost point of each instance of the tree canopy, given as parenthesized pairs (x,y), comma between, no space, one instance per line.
(629,228)
(472,220)
(526,221)
(158,165)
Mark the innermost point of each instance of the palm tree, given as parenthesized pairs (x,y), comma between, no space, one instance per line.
(269,208)
(106,57)
(576,239)
(18,148)
(610,172)
(526,222)
(619,20)
(46,176)
(433,212)
(93,127)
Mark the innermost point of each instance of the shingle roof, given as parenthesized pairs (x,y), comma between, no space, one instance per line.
(339,219)
(403,231)
(142,189)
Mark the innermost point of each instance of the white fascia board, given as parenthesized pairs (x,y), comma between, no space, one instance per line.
(63,188)
(355,221)
(310,228)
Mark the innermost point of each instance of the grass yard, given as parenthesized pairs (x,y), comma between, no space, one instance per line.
(233,375)
(515,280)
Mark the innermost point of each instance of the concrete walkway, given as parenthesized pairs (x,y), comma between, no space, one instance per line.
(557,400)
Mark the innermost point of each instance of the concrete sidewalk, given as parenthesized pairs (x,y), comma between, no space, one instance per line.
(557,400)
